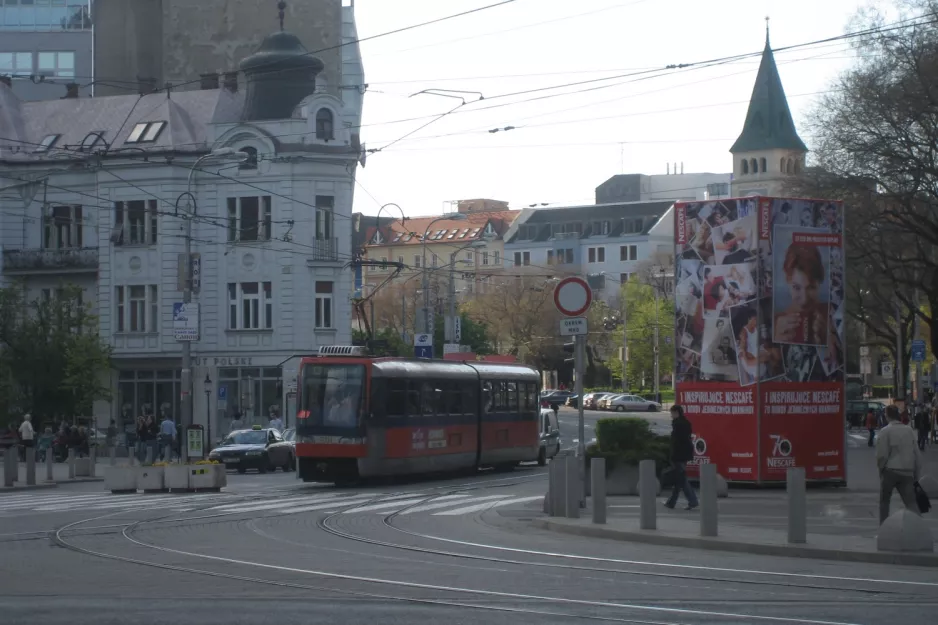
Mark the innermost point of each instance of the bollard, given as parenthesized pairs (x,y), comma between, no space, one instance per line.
(797,506)
(598,489)
(71,464)
(50,465)
(149,454)
(30,466)
(112,452)
(572,487)
(93,456)
(647,490)
(10,467)
(708,500)
(555,472)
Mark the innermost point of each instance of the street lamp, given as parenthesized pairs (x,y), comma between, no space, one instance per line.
(426,274)
(452,285)
(207,385)
(191,208)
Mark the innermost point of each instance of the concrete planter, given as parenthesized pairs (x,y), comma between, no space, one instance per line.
(82,467)
(151,479)
(120,479)
(176,477)
(207,477)
(623,480)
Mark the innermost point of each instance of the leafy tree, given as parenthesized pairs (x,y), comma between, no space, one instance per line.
(640,323)
(52,362)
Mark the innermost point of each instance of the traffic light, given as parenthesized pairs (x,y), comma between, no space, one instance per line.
(569,348)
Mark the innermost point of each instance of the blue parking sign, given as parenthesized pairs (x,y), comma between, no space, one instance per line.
(222,392)
(918,350)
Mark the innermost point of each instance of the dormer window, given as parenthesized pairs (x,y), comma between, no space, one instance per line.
(146,132)
(251,161)
(325,125)
(47,143)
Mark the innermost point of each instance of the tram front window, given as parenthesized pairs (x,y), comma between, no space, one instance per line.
(331,397)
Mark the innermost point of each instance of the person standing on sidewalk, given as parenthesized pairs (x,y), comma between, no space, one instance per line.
(27,434)
(167,436)
(899,462)
(922,425)
(871,425)
(682,452)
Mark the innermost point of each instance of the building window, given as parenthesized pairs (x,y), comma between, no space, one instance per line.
(384,263)
(417,261)
(324,303)
(470,258)
(16,63)
(62,228)
(745,166)
(523,259)
(628,252)
(138,308)
(717,189)
(764,167)
(252,393)
(250,306)
(495,258)
(624,278)
(148,392)
(754,165)
(44,15)
(251,161)
(145,132)
(434,259)
(325,125)
(58,64)
(485,258)
(249,218)
(135,222)
(527,232)
(597,254)
(325,217)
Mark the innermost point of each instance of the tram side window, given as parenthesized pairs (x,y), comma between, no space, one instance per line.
(396,398)
(529,397)
(453,394)
(513,405)
(469,399)
(428,399)
(488,397)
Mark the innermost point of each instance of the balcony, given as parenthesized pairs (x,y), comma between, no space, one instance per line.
(59,261)
(325,251)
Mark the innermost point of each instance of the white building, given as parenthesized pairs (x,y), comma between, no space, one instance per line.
(671,186)
(115,178)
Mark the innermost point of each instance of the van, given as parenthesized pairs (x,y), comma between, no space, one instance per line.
(549,436)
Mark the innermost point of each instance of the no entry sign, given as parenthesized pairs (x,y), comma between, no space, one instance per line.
(573,297)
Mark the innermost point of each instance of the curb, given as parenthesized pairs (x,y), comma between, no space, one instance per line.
(16,489)
(652,537)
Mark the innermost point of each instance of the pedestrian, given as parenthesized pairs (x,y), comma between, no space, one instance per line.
(27,434)
(167,436)
(922,426)
(871,425)
(899,462)
(682,452)
(275,421)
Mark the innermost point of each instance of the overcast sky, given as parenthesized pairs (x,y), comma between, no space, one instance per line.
(564,146)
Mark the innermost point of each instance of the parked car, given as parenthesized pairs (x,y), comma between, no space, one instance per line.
(573,401)
(555,398)
(632,403)
(549,437)
(856,412)
(591,400)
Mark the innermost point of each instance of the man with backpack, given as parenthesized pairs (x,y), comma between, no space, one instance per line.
(682,452)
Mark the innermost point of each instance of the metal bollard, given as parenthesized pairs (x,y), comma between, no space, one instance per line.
(598,489)
(555,473)
(30,466)
(708,500)
(71,464)
(50,465)
(93,456)
(112,452)
(10,467)
(647,490)
(572,485)
(797,505)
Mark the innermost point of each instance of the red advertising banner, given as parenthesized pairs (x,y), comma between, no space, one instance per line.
(759,334)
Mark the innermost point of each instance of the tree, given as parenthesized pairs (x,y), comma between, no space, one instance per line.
(52,362)
(640,322)
(875,135)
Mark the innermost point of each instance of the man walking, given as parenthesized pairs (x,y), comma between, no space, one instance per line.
(922,425)
(682,452)
(871,425)
(27,434)
(167,436)
(899,462)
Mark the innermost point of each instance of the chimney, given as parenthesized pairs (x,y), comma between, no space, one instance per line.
(146,85)
(675,168)
(668,167)
(71,90)
(209,81)
(231,81)
(682,168)
(7,80)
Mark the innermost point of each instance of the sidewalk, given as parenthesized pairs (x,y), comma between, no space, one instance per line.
(59,475)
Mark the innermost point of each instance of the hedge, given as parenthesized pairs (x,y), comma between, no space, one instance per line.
(628,440)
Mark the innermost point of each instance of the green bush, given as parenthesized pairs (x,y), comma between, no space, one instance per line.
(628,441)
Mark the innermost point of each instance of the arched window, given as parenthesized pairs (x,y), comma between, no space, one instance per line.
(251,161)
(325,125)
(754,166)
(763,165)
(745,166)
(791,166)
(798,166)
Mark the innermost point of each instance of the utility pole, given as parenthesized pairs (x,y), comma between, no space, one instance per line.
(452,299)
(404,315)
(579,365)
(900,357)
(625,342)
(657,376)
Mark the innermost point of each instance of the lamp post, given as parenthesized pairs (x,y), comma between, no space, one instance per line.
(207,385)
(426,273)
(452,338)
(191,208)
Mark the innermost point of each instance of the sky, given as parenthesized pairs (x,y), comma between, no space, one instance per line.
(564,146)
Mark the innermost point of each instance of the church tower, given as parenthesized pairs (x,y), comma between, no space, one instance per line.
(769,151)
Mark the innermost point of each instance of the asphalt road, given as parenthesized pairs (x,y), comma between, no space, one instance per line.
(456,551)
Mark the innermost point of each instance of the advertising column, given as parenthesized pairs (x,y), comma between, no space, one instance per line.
(717,332)
(801,338)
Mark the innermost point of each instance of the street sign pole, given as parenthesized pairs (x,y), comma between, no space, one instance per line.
(579,358)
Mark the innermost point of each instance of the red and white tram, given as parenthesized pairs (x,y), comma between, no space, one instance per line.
(360,417)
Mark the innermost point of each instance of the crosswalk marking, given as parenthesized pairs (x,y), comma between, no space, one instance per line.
(322,506)
(487,505)
(447,504)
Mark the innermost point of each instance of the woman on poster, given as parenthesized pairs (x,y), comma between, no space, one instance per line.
(805,321)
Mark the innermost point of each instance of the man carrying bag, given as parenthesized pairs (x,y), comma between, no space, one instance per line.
(899,462)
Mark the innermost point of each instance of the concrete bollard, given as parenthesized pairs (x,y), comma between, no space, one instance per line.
(10,467)
(598,489)
(71,464)
(797,505)
(647,491)
(572,488)
(708,500)
(112,453)
(905,531)
(556,490)
(50,465)
(30,466)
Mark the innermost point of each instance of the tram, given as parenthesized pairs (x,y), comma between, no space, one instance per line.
(361,417)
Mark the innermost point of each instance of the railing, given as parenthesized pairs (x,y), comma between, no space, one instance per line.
(67,259)
(325,249)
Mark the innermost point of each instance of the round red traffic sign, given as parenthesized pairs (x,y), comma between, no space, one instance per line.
(573,296)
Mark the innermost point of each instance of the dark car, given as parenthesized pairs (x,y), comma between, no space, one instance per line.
(258,448)
(856,412)
(555,398)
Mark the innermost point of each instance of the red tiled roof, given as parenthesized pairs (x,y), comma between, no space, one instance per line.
(471,228)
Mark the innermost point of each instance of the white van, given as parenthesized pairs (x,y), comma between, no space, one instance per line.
(549,436)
